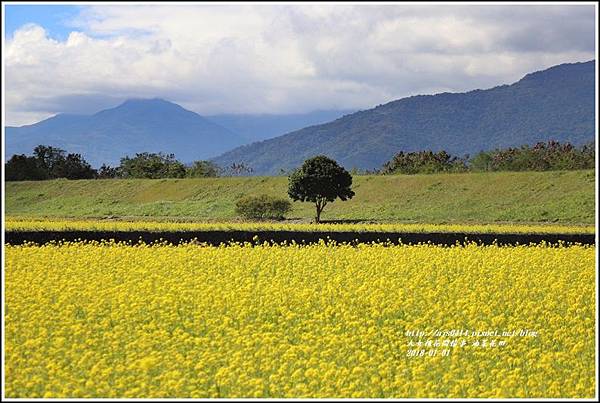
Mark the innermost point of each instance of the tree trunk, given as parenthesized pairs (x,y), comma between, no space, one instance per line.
(318,216)
(320,205)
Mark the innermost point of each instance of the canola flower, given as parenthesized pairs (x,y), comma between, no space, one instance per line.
(120,320)
(29,224)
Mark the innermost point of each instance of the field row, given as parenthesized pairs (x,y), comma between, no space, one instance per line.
(108,320)
(26,224)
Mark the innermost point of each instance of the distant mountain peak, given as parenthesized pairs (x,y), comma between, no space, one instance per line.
(147,101)
(150,108)
(136,125)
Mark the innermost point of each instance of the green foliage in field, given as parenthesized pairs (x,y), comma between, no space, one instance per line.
(263,207)
(152,166)
(550,156)
(48,163)
(557,196)
(423,162)
(202,169)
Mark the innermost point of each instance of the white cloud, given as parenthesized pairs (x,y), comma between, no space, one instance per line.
(284,58)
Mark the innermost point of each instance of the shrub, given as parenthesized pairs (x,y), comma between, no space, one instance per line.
(423,162)
(152,166)
(263,207)
(203,169)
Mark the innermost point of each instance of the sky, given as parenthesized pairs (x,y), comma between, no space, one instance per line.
(275,58)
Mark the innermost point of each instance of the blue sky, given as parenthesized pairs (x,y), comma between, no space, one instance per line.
(275,58)
(54,18)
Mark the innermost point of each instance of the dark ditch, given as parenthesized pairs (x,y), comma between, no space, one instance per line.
(219,237)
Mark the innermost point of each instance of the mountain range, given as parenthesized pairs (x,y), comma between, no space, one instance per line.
(136,125)
(154,125)
(553,104)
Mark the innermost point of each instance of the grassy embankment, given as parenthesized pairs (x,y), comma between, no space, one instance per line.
(520,197)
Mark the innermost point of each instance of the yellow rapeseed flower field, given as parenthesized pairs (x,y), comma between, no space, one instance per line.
(40,224)
(115,320)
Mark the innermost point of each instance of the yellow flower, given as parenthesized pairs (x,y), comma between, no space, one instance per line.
(106,319)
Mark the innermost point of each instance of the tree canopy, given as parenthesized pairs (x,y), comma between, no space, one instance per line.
(152,166)
(48,162)
(320,180)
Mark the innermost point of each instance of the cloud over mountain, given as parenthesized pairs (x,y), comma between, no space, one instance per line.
(283,58)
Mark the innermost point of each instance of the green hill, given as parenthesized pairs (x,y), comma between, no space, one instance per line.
(564,197)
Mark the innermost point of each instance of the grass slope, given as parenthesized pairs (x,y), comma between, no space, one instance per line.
(563,197)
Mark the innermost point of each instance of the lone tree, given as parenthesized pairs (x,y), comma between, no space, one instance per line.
(320,180)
